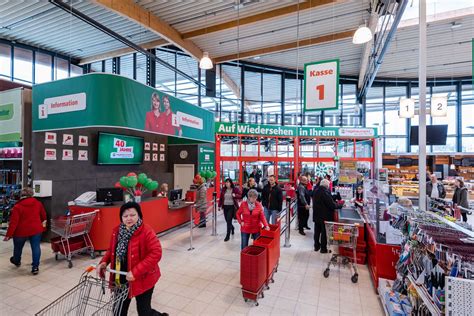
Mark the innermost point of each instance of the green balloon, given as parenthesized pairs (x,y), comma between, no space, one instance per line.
(142,178)
(132,181)
(153,185)
(124,182)
(202,173)
(147,183)
(208,174)
(214,174)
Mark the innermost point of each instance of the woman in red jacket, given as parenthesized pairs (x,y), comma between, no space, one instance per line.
(229,202)
(27,222)
(251,218)
(135,249)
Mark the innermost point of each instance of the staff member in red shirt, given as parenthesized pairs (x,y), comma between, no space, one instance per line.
(251,218)
(167,120)
(154,117)
(135,249)
(27,222)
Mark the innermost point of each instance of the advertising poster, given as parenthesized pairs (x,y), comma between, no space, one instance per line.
(348,172)
(117,149)
(50,138)
(206,158)
(50,154)
(10,115)
(69,103)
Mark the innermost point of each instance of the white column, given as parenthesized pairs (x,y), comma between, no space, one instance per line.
(422,89)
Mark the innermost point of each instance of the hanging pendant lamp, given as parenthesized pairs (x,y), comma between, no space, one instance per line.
(362,35)
(205,62)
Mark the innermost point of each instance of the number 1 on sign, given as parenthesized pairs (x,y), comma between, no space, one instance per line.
(320,89)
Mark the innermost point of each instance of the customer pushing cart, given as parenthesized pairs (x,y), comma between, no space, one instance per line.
(74,235)
(91,297)
(342,235)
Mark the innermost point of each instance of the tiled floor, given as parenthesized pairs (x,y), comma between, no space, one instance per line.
(204,281)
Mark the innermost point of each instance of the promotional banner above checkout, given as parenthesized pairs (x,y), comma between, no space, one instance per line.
(321,85)
(292,131)
(206,158)
(10,115)
(112,100)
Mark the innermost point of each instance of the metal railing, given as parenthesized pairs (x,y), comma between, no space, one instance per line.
(210,204)
(286,212)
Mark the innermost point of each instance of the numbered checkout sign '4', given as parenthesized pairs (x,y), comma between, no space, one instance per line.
(321,85)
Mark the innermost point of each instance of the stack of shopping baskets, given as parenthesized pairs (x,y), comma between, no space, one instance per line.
(73,234)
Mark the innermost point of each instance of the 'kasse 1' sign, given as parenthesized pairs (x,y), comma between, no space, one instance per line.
(123,152)
(321,85)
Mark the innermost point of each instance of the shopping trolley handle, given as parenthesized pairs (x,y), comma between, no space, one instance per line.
(91,268)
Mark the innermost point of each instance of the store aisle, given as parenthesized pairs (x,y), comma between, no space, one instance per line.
(204,281)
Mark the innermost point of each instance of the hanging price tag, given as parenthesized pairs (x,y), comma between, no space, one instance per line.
(321,84)
(439,106)
(407,108)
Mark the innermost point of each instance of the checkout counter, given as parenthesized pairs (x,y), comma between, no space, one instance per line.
(157,212)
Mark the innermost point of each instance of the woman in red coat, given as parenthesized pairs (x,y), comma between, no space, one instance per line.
(27,222)
(251,218)
(135,249)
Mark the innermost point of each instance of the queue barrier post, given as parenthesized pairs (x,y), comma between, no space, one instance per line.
(288,222)
(214,214)
(191,224)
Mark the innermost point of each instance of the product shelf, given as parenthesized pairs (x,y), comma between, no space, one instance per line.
(434,310)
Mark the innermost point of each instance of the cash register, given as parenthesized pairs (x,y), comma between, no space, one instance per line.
(175,198)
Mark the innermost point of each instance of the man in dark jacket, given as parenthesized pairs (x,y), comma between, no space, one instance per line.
(272,200)
(435,189)
(304,201)
(323,210)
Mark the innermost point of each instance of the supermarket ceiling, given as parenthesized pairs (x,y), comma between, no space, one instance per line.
(286,33)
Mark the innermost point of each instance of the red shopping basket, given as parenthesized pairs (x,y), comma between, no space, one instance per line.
(272,259)
(75,243)
(274,233)
(253,268)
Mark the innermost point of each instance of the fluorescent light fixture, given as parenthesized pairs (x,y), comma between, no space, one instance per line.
(362,35)
(205,62)
(452,167)
(456,25)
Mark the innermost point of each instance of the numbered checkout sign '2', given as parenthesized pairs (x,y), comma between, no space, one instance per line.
(321,86)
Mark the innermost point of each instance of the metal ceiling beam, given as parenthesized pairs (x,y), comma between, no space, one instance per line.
(132,11)
(288,46)
(260,17)
(69,9)
(122,52)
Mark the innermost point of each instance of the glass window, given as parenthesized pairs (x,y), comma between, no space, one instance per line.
(141,70)
(293,102)
(43,71)
(230,169)
(468,144)
(285,172)
(286,147)
(23,64)
(467,109)
(5,60)
(108,66)
(394,124)
(96,67)
(327,148)
(308,147)
(76,71)
(229,147)
(449,147)
(396,145)
(126,66)
(345,148)
(364,149)
(375,119)
(449,120)
(267,147)
(249,147)
(165,78)
(61,70)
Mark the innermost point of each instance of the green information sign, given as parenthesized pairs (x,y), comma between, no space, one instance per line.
(282,131)
(115,149)
(111,100)
(206,158)
(10,115)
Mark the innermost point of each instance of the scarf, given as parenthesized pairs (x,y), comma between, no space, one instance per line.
(123,239)
(251,206)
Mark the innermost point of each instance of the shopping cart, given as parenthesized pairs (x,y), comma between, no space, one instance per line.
(73,234)
(342,235)
(91,297)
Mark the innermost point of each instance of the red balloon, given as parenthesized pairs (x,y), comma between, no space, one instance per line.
(118,185)
(132,174)
(138,193)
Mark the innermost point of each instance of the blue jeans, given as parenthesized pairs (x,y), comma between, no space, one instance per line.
(245,239)
(19,242)
(270,215)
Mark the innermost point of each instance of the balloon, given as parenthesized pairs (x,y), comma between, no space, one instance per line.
(142,178)
(132,174)
(132,181)
(202,173)
(153,185)
(138,193)
(208,174)
(117,185)
(214,174)
(124,182)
